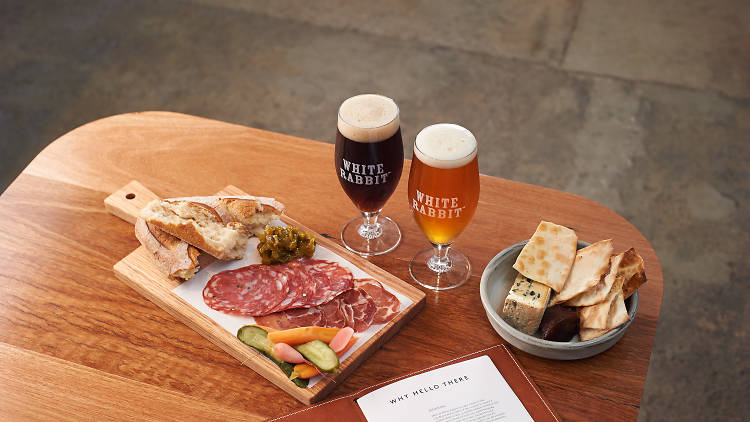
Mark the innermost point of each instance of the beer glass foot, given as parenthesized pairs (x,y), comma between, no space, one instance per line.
(359,239)
(448,275)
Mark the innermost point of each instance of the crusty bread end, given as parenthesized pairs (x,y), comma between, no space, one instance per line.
(173,256)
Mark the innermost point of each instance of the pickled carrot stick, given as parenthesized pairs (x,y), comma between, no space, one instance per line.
(295,336)
(304,370)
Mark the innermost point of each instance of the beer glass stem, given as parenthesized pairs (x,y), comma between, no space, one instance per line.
(440,262)
(370,228)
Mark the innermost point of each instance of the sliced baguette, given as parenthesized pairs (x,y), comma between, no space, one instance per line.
(254,212)
(173,256)
(199,225)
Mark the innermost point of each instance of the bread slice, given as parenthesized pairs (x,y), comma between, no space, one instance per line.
(254,212)
(590,264)
(632,270)
(199,225)
(525,304)
(173,256)
(548,255)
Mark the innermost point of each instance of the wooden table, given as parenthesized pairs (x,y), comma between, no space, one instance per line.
(77,343)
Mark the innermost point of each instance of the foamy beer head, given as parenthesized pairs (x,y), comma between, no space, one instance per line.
(444,181)
(369,151)
(445,146)
(368,118)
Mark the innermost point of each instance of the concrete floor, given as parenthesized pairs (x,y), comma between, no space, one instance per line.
(643,106)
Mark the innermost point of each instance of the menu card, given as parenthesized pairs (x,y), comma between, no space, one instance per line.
(472,390)
(484,386)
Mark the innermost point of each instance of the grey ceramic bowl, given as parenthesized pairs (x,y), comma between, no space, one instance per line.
(493,288)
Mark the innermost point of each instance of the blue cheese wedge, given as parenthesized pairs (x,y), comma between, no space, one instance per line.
(525,304)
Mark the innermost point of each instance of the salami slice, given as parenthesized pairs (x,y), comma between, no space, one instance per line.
(331,279)
(387,304)
(252,290)
(299,283)
(293,318)
(258,290)
(358,309)
(307,288)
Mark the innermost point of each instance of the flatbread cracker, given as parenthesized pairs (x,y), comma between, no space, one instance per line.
(595,316)
(618,315)
(632,270)
(548,256)
(589,333)
(590,264)
(599,292)
(618,312)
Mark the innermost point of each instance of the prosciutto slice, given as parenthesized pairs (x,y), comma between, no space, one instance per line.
(293,318)
(386,303)
(358,309)
(333,314)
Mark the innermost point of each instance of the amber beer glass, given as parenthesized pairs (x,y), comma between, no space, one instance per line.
(443,195)
(369,158)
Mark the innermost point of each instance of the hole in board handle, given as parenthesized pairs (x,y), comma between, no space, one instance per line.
(130,196)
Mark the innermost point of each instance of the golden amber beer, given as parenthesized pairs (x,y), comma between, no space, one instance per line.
(443,195)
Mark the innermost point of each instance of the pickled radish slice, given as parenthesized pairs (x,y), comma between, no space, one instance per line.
(287,353)
(341,339)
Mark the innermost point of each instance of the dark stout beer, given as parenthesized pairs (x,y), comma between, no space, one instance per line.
(369,150)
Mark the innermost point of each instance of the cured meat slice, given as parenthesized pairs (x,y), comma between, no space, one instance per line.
(252,290)
(333,314)
(293,318)
(299,283)
(358,309)
(305,317)
(258,290)
(331,279)
(387,304)
(307,288)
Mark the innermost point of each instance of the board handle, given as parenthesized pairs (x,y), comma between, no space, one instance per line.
(127,201)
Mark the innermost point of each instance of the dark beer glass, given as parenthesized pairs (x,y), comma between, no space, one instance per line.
(369,158)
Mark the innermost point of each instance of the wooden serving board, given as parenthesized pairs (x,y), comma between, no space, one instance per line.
(138,271)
